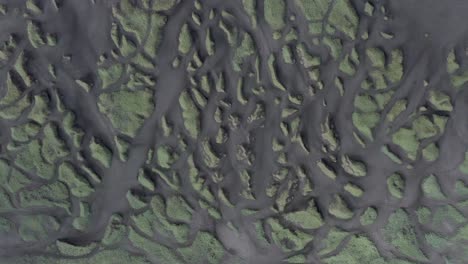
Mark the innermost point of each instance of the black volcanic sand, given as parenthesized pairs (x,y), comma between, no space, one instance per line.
(253,131)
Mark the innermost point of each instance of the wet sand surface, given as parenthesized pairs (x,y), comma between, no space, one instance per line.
(254,131)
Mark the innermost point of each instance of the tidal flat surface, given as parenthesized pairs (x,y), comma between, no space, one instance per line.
(233,131)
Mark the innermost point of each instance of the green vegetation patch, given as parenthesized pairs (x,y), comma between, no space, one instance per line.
(400,233)
(36,227)
(353,167)
(77,183)
(339,208)
(29,158)
(314,9)
(275,13)
(288,239)
(358,250)
(127,109)
(178,209)
(396,185)
(204,249)
(369,216)
(431,188)
(50,195)
(308,218)
(190,114)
